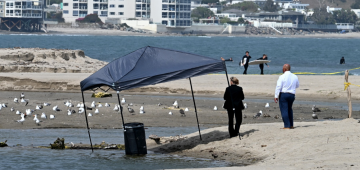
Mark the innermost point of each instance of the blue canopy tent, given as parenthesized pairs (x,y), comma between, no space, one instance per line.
(149,66)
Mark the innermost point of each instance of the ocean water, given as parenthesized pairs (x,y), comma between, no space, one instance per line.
(27,156)
(315,55)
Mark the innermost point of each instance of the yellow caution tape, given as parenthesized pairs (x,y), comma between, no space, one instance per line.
(101,95)
(348,84)
(310,73)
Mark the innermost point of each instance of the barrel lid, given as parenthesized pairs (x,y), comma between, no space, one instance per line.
(134,125)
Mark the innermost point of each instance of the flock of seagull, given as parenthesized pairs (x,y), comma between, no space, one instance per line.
(81,109)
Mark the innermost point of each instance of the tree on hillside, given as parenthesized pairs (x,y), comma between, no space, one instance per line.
(201,12)
(270,6)
(345,16)
(244,6)
(356,5)
(321,16)
(92,18)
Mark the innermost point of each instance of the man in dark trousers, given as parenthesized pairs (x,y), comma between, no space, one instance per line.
(342,60)
(264,57)
(233,97)
(245,61)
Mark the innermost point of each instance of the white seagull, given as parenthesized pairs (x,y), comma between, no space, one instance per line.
(107,105)
(116,108)
(22,95)
(43,115)
(245,105)
(315,109)
(258,114)
(142,110)
(52,117)
(93,104)
(314,116)
(4,105)
(29,112)
(69,112)
(81,110)
(18,112)
(89,114)
(176,104)
(56,108)
(16,100)
(186,109)
(12,109)
(215,108)
(24,101)
(130,109)
(170,113)
(22,118)
(38,107)
(96,111)
(267,105)
(123,101)
(99,105)
(78,105)
(47,104)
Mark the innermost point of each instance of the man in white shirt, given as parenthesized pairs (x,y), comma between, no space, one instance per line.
(285,94)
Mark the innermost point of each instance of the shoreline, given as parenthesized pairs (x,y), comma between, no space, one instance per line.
(106,32)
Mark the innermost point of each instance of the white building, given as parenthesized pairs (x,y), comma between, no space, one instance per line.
(332,9)
(21,9)
(357,12)
(173,13)
(297,6)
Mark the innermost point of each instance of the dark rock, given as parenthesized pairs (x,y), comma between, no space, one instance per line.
(58,144)
(3,144)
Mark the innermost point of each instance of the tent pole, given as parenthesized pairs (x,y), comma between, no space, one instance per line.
(87,124)
(121,109)
(192,92)
(227,78)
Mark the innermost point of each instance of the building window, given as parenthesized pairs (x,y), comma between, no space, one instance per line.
(75,13)
(138,6)
(112,13)
(121,13)
(96,12)
(121,6)
(75,0)
(66,4)
(65,12)
(75,6)
(112,6)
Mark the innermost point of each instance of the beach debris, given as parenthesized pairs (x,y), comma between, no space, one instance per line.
(214,155)
(258,114)
(276,116)
(101,95)
(215,108)
(3,144)
(315,109)
(182,112)
(22,118)
(263,146)
(155,138)
(93,104)
(47,104)
(266,115)
(172,138)
(38,107)
(96,111)
(176,104)
(12,109)
(267,105)
(58,144)
(89,114)
(81,110)
(245,116)
(245,105)
(123,101)
(142,110)
(99,105)
(43,115)
(159,104)
(16,100)
(170,113)
(130,109)
(330,117)
(186,109)
(314,116)
(52,117)
(107,105)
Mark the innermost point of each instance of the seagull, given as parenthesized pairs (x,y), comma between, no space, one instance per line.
(116,108)
(96,111)
(93,104)
(245,105)
(123,101)
(82,105)
(22,95)
(43,115)
(22,118)
(67,103)
(130,104)
(29,112)
(99,105)
(24,101)
(314,116)
(78,105)
(47,104)
(170,113)
(159,104)
(52,117)
(35,117)
(258,114)
(18,112)
(89,114)
(186,109)
(4,105)
(12,109)
(107,105)
(142,110)
(315,109)
(16,100)
(38,107)
(245,116)
(183,113)
(267,105)
(130,110)
(176,105)
(55,108)
(69,112)
(215,108)
(81,110)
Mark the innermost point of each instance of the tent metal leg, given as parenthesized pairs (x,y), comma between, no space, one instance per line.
(227,78)
(87,124)
(192,92)
(121,110)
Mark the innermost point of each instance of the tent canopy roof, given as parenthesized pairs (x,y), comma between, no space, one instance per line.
(148,66)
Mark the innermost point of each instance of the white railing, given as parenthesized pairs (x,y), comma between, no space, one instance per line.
(274,24)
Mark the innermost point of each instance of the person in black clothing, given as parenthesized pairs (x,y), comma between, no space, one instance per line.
(342,60)
(264,57)
(233,97)
(245,61)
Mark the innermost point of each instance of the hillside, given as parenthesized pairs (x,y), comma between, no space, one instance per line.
(331,3)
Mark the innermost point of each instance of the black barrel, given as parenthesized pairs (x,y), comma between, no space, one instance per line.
(135,142)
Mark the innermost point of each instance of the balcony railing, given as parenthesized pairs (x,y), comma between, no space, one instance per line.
(75,7)
(103,15)
(83,1)
(104,1)
(82,15)
(17,6)
(32,7)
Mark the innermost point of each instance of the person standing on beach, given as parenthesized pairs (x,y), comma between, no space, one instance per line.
(342,60)
(245,61)
(233,97)
(264,57)
(285,94)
